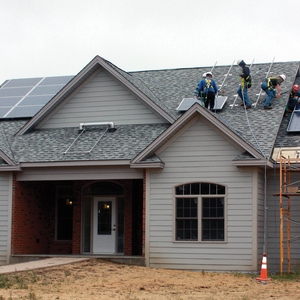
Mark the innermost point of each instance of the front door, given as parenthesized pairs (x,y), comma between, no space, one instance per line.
(104,225)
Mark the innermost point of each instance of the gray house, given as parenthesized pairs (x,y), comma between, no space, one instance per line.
(104,163)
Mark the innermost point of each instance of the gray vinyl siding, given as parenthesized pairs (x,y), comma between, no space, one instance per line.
(102,100)
(260,217)
(274,225)
(79,173)
(201,155)
(5,217)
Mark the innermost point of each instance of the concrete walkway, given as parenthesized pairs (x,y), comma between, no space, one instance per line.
(40,264)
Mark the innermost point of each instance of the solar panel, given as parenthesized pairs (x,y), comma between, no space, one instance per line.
(24,111)
(186,103)
(294,124)
(22,98)
(219,102)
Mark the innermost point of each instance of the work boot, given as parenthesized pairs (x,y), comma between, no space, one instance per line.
(248,106)
(268,107)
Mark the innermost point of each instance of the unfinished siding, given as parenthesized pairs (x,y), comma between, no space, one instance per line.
(102,99)
(203,156)
(5,220)
(273,253)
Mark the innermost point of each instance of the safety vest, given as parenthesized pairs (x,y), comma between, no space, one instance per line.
(208,84)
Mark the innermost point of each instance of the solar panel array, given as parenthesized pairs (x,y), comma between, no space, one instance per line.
(22,98)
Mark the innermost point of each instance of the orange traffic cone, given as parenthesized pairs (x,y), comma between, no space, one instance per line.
(264,271)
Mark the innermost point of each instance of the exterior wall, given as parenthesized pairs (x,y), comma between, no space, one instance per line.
(200,155)
(5,220)
(102,100)
(33,215)
(273,253)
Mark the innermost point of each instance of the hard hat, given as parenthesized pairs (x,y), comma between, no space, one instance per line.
(239,61)
(204,75)
(283,77)
(209,73)
(296,87)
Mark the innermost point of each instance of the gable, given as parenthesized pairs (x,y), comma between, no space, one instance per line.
(101,99)
(199,145)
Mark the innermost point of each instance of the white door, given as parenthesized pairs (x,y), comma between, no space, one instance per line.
(104,225)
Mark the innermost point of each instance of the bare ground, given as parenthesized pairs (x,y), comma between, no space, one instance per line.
(97,279)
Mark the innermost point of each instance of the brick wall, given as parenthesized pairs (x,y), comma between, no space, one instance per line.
(33,218)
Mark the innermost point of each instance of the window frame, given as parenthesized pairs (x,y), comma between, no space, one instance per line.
(200,198)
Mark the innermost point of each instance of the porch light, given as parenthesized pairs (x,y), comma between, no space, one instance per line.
(69,202)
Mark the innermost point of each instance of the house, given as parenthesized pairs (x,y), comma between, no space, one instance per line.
(106,165)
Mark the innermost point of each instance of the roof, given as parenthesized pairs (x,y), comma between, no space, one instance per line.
(162,90)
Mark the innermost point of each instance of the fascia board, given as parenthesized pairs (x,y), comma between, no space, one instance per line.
(76,163)
(10,168)
(187,116)
(253,163)
(148,165)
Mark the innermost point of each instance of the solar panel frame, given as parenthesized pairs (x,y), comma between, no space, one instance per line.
(294,124)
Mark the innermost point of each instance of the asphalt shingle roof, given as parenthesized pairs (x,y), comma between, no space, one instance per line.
(44,145)
(258,127)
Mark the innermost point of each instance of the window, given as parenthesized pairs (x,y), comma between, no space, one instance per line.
(64,213)
(200,212)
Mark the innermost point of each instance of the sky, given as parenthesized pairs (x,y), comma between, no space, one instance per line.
(42,38)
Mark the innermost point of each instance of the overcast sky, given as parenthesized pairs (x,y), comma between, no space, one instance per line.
(59,37)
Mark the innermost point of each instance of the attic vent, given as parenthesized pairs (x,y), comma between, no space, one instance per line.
(110,124)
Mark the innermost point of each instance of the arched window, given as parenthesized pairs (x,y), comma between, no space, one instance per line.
(200,212)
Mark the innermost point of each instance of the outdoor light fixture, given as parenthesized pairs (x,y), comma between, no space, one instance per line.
(69,202)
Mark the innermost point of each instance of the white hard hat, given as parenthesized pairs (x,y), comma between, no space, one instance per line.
(283,77)
(239,61)
(204,75)
(209,73)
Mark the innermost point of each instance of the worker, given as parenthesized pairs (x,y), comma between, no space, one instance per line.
(207,89)
(294,98)
(272,88)
(245,84)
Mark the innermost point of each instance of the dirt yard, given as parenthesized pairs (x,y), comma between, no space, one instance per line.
(97,279)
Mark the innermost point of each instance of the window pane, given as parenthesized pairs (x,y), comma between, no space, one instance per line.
(195,189)
(186,219)
(221,190)
(213,219)
(64,219)
(204,188)
(213,189)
